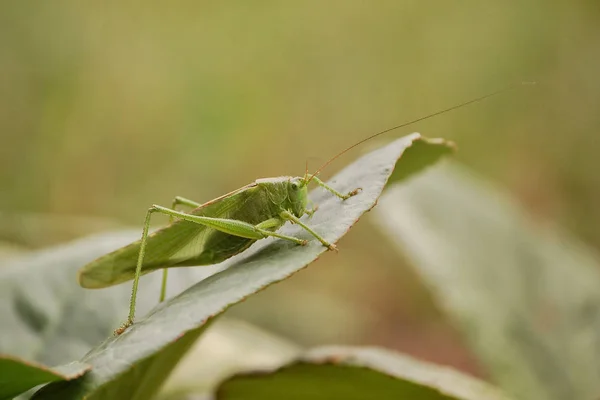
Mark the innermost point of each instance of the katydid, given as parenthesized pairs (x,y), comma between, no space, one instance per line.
(219,229)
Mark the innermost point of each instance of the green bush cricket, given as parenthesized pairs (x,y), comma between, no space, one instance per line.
(221,228)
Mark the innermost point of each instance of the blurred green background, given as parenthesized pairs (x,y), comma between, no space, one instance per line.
(107,108)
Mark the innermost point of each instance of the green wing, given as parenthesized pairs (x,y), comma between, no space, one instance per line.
(181,243)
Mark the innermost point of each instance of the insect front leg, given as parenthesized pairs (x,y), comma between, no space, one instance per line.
(291,217)
(178,200)
(335,192)
(311,211)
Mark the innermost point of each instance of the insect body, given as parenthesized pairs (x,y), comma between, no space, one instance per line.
(210,233)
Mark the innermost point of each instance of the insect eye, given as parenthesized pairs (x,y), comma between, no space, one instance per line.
(294,186)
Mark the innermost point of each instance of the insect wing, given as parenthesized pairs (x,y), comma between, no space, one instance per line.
(173,245)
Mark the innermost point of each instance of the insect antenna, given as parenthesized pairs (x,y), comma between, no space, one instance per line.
(414,121)
(306,172)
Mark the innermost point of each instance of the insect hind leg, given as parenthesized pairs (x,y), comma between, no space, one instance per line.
(140,260)
(229,226)
(138,269)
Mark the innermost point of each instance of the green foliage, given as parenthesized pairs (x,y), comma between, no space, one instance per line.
(136,363)
(526,296)
(107,109)
(49,317)
(355,374)
(17,376)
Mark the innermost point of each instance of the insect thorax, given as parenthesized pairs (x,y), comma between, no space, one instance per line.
(287,192)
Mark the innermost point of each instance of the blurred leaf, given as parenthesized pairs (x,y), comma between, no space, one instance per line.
(216,356)
(46,317)
(357,373)
(9,250)
(17,376)
(526,297)
(136,362)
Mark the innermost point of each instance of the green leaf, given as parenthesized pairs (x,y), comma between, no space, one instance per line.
(46,317)
(527,297)
(17,376)
(357,373)
(216,356)
(136,362)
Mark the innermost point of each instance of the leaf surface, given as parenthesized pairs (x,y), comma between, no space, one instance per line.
(136,362)
(526,296)
(216,356)
(355,373)
(47,318)
(17,376)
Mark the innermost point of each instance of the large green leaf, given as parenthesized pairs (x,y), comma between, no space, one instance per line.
(47,318)
(17,376)
(527,297)
(354,373)
(135,363)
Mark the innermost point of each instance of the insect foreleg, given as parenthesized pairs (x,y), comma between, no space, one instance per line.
(335,192)
(310,211)
(178,200)
(291,217)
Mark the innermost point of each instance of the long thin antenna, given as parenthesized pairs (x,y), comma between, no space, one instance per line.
(306,170)
(435,114)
